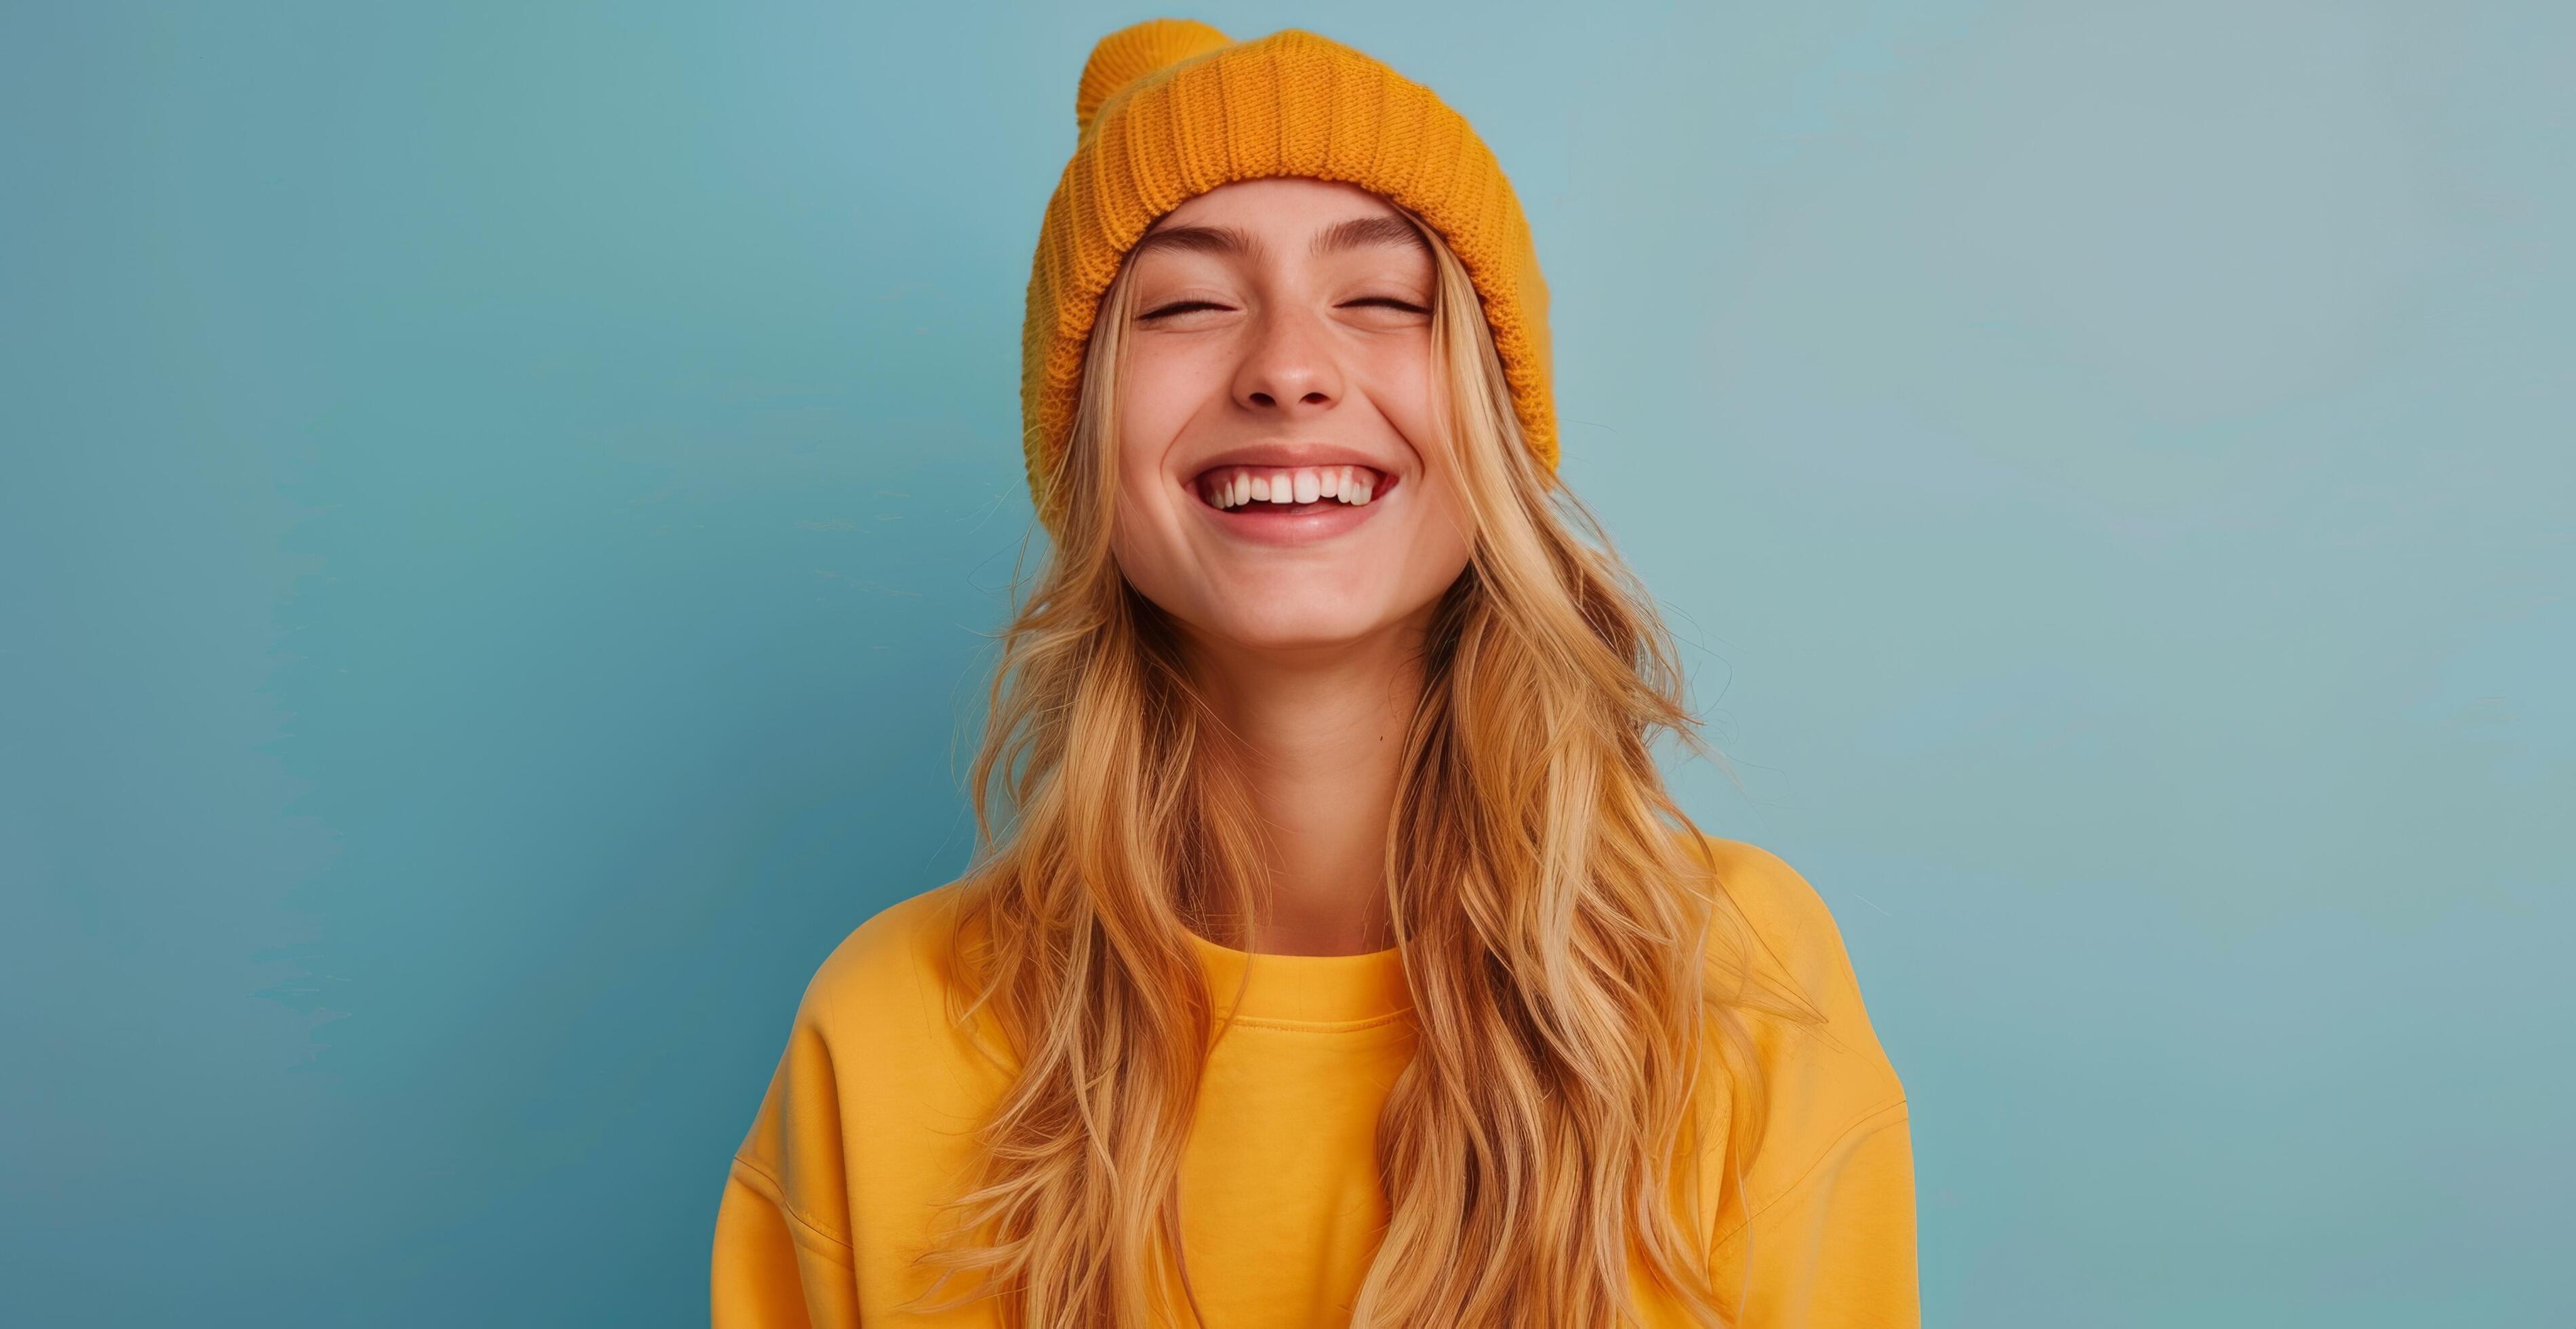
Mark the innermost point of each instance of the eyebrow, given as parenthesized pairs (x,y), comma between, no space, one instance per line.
(1356,233)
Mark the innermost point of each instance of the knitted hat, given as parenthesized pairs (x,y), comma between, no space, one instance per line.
(1170,109)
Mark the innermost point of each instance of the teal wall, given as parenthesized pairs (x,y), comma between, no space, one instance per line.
(500,503)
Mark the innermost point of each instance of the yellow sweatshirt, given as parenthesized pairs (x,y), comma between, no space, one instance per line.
(869,1121)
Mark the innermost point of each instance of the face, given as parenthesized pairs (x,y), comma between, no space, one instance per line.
(1281,481)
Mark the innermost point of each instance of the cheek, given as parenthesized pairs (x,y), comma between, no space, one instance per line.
(1161,395)
(1400,385)
(1405,394)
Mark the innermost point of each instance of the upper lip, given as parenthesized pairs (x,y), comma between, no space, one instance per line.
(1289,455)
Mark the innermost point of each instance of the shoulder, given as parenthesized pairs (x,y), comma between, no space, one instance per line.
(889,973)
(1774,894)
(873,1073)
(878,1034)
(1793,928)
(1808,1027)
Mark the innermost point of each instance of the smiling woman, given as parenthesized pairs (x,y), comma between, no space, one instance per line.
(1290,481)
(1280,342)
(1333,952)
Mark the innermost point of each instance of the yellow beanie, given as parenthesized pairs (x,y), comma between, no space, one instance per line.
(1170,109)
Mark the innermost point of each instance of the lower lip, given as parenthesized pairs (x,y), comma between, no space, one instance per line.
(1277,524)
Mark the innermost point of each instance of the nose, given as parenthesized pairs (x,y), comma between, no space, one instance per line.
(1288,368)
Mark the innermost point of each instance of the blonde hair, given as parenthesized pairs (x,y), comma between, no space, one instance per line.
(1570,953)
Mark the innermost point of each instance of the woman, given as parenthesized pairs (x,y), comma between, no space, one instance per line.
(1332,953)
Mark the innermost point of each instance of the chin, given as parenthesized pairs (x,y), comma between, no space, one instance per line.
(1278,626)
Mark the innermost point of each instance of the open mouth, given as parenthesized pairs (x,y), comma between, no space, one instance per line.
(1290,490)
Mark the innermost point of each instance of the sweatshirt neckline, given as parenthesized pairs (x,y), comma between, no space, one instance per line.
(1317,990)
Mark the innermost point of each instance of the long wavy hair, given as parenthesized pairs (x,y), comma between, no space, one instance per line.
(1572,958)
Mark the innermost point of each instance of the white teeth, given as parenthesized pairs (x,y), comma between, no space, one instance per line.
(1354,485)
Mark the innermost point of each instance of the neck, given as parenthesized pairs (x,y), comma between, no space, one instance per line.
(1318,736)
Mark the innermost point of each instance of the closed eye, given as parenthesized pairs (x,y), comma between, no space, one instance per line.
(1180,307)
(1186,306)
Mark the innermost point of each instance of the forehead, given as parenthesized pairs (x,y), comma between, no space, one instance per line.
(1287,195)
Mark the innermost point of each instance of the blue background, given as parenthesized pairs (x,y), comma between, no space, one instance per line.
(503,505)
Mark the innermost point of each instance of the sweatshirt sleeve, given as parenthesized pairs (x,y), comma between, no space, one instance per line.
(782,1257)
(1836,1251)
(1823,1232)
